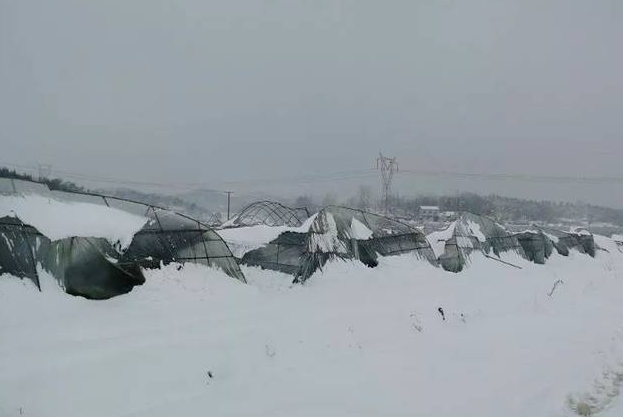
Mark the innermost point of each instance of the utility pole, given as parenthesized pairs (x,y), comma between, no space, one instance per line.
(45,171)
(388,167)
(229,193)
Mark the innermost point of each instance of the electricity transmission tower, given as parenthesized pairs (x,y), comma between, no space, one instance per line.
(388,167)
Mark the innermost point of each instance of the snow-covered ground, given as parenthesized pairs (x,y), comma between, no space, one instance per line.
(352,341)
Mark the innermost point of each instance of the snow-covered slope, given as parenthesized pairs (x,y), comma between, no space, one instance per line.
(352,341)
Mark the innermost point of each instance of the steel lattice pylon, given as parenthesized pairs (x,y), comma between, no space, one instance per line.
(388,167)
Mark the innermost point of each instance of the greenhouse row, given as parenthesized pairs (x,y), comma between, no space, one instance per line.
(98,246)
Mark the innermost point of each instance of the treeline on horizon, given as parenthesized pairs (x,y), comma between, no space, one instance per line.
(52,183)
(148,198)
(500,208)
(509,209)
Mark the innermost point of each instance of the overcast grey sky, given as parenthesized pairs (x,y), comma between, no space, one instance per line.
(199,90)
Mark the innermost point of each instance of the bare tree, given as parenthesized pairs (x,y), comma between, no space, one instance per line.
(329,199)
(305,201)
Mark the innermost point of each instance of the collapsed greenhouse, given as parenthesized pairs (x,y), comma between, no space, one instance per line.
(539,242)
(536,245)
(94,245)
(269,213)
(472,232)
(332,233)
(97,246)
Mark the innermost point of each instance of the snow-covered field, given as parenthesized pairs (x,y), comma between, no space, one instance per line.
(352,341)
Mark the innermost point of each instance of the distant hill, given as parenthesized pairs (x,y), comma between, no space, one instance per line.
(53,184)
(176,203)
(210,205)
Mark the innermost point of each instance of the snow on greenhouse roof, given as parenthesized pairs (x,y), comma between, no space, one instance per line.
(247,238)
(58,219)
(438,239)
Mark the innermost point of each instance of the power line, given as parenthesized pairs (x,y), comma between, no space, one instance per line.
(517,177)
(333,176)
(105,180)
(323,177)
(204,187)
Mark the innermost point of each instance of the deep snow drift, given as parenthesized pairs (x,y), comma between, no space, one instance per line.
(352,341)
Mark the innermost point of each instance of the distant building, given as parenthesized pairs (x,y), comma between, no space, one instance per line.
(448,216)
(430,213)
